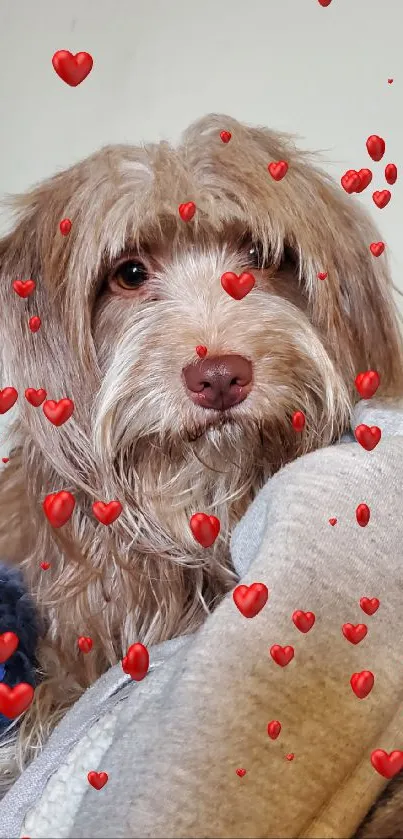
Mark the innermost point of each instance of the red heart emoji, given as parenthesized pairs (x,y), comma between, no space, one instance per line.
(107,513)
(278,169)
(14,701)
(382,198)
(377,248)
(304,621)
(8,644)
(136,662)
(205,529)
(375,147)
(187,211)
(35,397)
(58,412)
(58,507)
(281,655)
(362,514)
(386,764)
(85,644)
(391,173)
(273,729)
(34,323)
(24,288)
(354,634)
(324,3)
(98,779)
(322,275)
(250,600)
(237,286)
(290,756)
(362,683)
(365,176)
(225,136)
(201,351)
(367,383)
(45,565)
(368,437)
(65,226)
(351,181)
(369,606)
(333,522)
(72,69)
(390,81)
(5,459)
(298,420)
(241,772)
(8,398)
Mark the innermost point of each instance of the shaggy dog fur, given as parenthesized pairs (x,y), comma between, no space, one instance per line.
(136,435)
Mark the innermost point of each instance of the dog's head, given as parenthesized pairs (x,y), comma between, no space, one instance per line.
(130,293)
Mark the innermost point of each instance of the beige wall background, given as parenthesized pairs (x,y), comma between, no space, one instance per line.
(158,64)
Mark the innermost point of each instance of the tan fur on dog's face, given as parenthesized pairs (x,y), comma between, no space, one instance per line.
(135,434)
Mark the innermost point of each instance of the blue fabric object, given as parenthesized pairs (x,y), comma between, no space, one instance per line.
(17,614)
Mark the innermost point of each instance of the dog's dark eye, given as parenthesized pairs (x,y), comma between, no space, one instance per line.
(254,252)
(130,274)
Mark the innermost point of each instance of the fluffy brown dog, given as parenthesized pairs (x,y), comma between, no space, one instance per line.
(125,298)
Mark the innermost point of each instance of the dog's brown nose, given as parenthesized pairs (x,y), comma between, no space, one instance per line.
(219,382)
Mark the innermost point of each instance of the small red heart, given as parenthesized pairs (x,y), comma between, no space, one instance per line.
(273,729)
(351,181)
(322,275)
(107,513)
(187,211)
(304,621)
(241,772)
(98,779)
(281,655)
(58,507)
(391,173)
(369,606)
(136,662)
(362,514)
(24,288)
(333,522)
(14,701)
(382,198)
(354,634)
(84,644)
(5,459)
(377,248)
(368,437)
(290,756)
(58,412)
(34,323)
(8,398)
(375,147)
(205,529)
(237,286)
(225,136)
(365,176)
(386,764)
(8,644)
(324,3)
(250,600)
(278,169)
(201,351)
(72,69)
(367,383)
(390,81)
(35,397)
(65,226)
(298,420)
(45,565)
(362,683)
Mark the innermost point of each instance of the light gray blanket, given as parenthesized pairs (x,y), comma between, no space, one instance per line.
(171,744)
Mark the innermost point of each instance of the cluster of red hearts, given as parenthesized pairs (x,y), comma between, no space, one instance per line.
(250,600)
(355,181)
